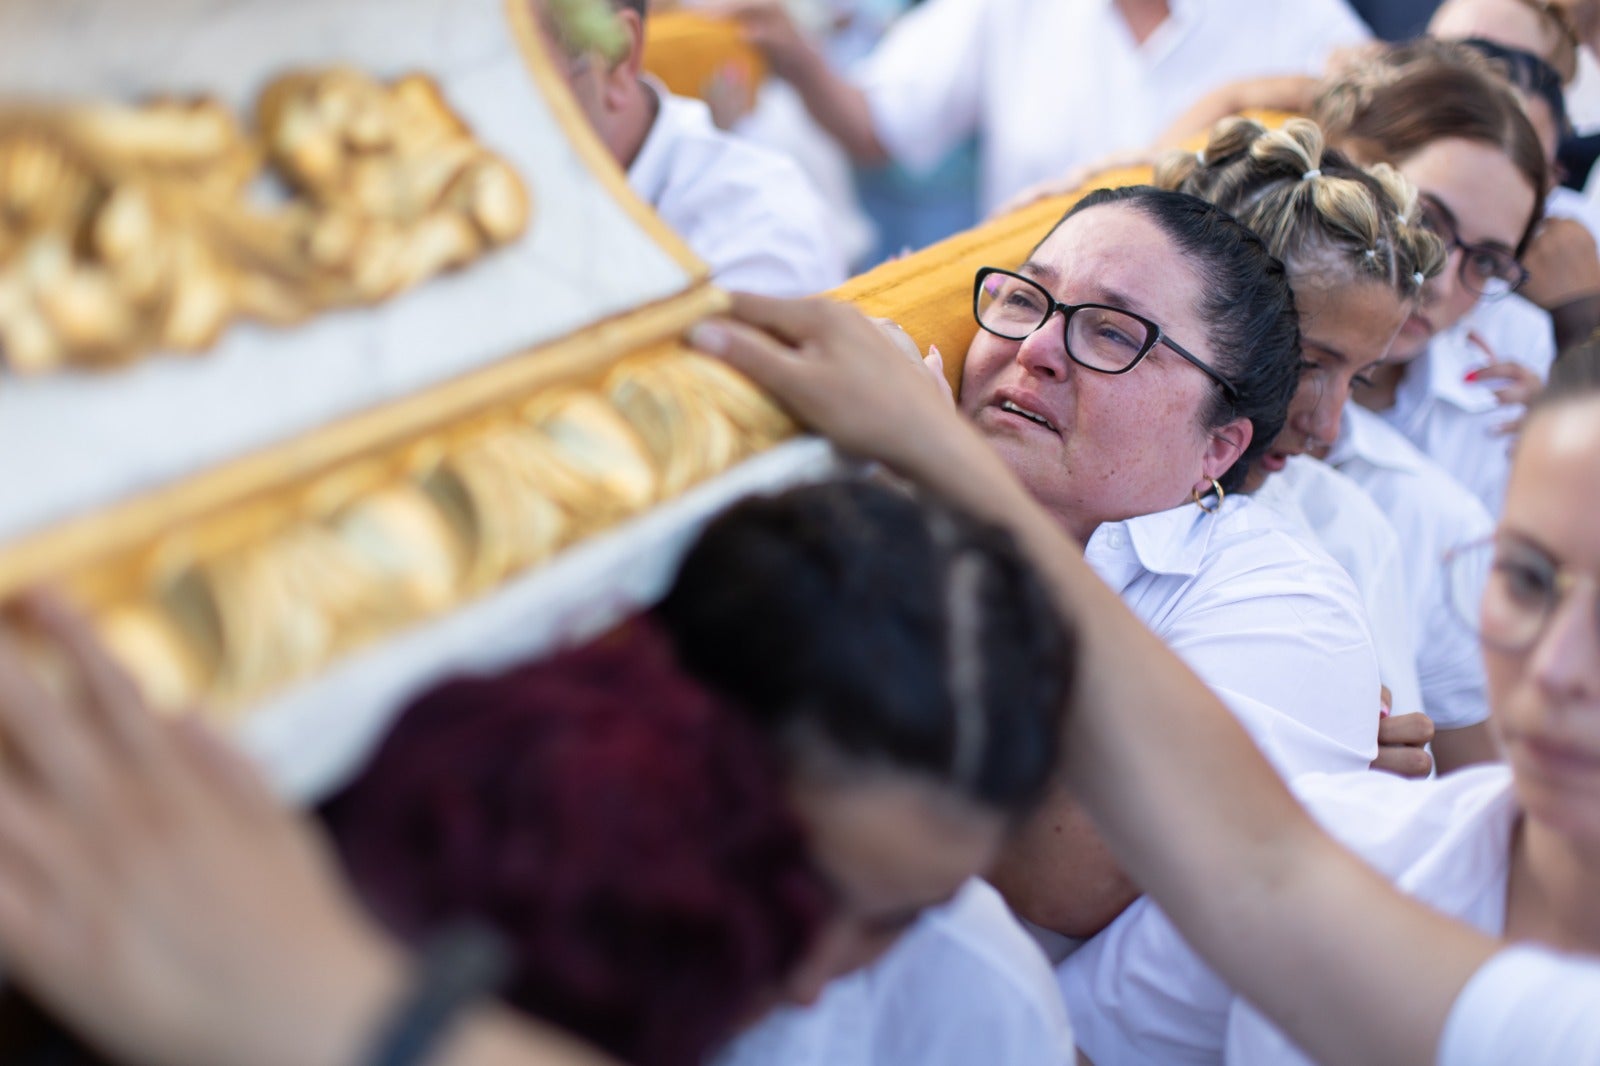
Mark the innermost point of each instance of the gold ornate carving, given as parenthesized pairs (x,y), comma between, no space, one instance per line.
(242,604)
(128,230)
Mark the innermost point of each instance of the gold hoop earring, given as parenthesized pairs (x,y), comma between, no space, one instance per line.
(1200,501)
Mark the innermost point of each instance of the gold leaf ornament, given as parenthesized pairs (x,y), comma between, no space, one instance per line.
(127,230)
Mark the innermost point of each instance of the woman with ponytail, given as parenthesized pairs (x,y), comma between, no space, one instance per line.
(1357,256)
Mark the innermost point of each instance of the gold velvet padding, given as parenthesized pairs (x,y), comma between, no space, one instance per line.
(686,50)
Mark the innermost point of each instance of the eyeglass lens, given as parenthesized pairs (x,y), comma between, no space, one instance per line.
(1507,593)
(1486,271)
(1101,338)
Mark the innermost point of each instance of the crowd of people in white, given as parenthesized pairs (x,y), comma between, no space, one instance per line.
(1217,679)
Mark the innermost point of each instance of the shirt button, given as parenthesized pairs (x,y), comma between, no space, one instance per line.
(1116,539)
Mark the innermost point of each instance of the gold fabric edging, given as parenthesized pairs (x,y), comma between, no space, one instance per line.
(227,586)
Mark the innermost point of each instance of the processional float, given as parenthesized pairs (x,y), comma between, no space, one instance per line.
(337,355)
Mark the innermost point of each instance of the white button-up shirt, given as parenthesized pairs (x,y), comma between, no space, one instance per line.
(1432,514)
(1050,84)
(1455,421)
(746,210)
(1350,527)
(964,985)
(1139,993)
(1266,619)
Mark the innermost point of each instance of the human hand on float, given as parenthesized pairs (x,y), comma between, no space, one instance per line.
(838,372)
(769,27)
(730,94)
(153,893)
(933,361)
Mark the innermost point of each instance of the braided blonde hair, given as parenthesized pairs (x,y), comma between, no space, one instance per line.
(1315,210)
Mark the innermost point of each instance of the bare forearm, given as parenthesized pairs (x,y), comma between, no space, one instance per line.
(1200,821)
(1191,810)
(1057,872)
(837,105)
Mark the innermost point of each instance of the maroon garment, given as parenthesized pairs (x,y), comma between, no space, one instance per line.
(623,829)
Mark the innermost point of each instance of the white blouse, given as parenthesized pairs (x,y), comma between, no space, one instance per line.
(1527,1005)
(748,211)
(1351,528)
(964,985)
(1139,993)
(1455,421)
(1432,513)
(1264,616)
(1051,84)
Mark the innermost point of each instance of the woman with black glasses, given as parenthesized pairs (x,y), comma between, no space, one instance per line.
(1445,119)
(1129,373)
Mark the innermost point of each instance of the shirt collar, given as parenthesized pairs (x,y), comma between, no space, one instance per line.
(651,166)
(1172,542)
(1450,357)
(1365,437)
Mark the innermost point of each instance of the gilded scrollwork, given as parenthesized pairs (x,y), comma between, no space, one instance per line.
(128,230)
(366,550)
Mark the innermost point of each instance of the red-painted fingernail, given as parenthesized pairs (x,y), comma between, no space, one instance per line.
(1472,375)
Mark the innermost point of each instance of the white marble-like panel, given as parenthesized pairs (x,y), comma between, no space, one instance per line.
(77,441)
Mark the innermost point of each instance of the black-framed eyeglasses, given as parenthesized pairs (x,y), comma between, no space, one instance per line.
(1105,339)
(1489,271)
(1506,591)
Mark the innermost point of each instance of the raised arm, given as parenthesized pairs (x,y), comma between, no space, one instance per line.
(1199,819)
(838,106)
(159,899)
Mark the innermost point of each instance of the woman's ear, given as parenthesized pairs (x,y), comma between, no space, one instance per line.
(1227,442)
(624,73)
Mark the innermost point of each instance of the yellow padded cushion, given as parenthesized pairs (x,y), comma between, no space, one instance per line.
(685,50)
(930,292)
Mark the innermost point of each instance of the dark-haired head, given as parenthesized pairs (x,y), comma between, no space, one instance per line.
(626,833)
(910,668)
(860,624)
(1247,307)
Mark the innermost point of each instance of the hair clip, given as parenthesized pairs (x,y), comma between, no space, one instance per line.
(1312,173)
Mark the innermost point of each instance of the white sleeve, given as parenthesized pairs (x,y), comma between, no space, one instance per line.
(1327,25)
(1297,644)
(924,82)
(761,226)
(1137,993)
(1526,1005)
